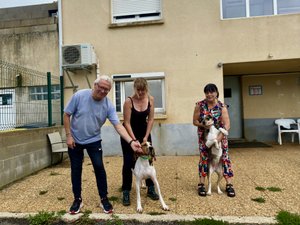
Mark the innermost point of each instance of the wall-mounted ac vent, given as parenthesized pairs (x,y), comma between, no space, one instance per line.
(78,56)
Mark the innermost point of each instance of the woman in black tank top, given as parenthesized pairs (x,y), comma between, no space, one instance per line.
(138,111)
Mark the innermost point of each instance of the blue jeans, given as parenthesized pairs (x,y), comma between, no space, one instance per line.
(76,155)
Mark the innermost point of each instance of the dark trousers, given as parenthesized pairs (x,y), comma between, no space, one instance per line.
(128,164)
(76,155)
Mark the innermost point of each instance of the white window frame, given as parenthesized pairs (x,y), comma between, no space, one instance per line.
(125,11)
(130,77)
(275,10)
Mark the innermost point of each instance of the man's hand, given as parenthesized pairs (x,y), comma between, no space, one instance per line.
(136,146)
(70,141)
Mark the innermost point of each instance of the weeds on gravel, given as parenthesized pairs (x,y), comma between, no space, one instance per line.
(85,219)
(286,218)
(45,218)
(259,200)
(173,199)
(274,189)
(54,173)
(260,188)
(204,222)
(113,198)
(43,192)
(115,220)
(156,213)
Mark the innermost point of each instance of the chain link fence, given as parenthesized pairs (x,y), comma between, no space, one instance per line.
(25,99)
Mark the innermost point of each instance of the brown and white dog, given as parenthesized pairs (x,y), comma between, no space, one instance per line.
(144,169)
(215,152)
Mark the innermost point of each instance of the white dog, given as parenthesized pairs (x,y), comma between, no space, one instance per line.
(144,169)
(215,156)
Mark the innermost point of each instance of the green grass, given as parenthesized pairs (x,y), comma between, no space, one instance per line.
(113,198)
(204,222)
(85,219)
(173,199)
(286,218)
(156,213)
(260,188)
(274,189)
(48,218)
(43,192)
(115,220)
(44,218)
(54,173)
(259,200)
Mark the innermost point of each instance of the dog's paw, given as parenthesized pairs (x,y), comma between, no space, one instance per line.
(219,191)
(165,207)
(225,132)
(209,193)
(139,209)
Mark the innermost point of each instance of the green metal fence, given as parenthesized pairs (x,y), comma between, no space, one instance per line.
(25,99)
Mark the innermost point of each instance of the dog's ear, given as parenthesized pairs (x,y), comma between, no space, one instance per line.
(152,152)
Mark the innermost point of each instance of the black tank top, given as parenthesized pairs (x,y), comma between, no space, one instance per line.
(138,121)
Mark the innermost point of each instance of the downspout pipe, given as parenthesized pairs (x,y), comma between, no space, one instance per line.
(60,43)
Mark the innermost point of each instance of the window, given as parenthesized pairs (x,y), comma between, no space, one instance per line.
(288,6)
(234,8)
(124,11)
(123,87)
(41,92)
(250,8)
(6,99)
(261,7)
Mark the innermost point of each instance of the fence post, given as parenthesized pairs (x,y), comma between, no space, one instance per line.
(49,99)
(62,99)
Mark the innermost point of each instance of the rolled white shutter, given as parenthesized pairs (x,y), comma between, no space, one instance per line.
(135,7)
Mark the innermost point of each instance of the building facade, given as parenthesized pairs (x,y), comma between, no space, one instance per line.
(251,51)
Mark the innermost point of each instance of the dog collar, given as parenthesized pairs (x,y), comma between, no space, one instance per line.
(145,157)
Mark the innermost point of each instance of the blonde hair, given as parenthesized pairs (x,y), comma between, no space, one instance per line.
(140,83)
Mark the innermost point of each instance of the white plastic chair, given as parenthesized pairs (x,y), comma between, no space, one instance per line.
(284,126)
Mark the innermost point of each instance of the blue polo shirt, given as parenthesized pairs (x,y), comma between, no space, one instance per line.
(89,115)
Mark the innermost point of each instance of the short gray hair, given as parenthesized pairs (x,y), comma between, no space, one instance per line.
(103,77)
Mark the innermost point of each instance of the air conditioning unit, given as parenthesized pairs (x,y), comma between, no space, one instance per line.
(78,56)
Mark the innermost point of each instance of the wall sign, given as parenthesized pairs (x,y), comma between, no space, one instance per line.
(255,90)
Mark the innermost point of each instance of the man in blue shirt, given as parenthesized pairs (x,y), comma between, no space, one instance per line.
(84,116)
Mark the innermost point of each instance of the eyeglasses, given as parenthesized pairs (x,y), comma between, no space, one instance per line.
(102,89)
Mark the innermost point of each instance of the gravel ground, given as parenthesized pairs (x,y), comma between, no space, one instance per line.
(279,166)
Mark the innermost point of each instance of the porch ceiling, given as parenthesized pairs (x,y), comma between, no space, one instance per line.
(262,67)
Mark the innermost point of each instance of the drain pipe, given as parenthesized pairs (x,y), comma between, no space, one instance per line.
(60,43)
(60,36)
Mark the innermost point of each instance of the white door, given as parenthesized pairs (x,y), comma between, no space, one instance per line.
(232,97)
(7,109)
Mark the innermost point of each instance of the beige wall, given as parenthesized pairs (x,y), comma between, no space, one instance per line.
(34,46)
(280,96)
(187,46)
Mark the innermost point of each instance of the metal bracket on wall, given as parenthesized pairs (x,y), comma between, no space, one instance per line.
(73,86)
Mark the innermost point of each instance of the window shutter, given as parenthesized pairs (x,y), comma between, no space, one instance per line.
(135,7)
